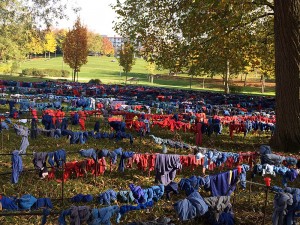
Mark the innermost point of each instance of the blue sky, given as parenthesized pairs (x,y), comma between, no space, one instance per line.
(97,15)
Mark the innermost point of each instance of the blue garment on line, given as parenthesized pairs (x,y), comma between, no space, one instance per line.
(17,166)
(171,188)
(103,215)
(292,216)
(89,153)
(46,212)
(26,202)
(8,203)
(107,196)
(191,207)
(124,156)
(127,208)
(243,175)
(153,193)
(138,193)
(125,196)
(78,215)
(4,126)
(114,154)
(59,157)
(43,203)
(220,185)
(189,185)
(82,198)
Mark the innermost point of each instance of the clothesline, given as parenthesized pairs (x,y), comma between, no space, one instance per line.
(133,188)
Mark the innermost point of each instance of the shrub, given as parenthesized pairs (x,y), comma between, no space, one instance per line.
(65,73)
(45,72)
(95,81)
(37,73)
(236,89)
(27,72)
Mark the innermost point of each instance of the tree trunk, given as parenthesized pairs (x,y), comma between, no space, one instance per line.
(245,81)
(262,83)
(287,70)
(203,82)
(45,55)
(226,86)
(242,77)
(126,78)
(191,77)
(74,78)
(77,75)
(49,55)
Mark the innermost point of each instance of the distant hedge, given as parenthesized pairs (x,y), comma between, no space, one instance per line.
(95,81)
(236,89)
(45,72)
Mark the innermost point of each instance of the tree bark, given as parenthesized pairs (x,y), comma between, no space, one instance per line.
(287,70)
(262,83)
(245,81)
(226,86)
(191,77)
(203,84)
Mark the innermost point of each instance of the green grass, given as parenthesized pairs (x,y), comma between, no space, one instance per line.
(109,73)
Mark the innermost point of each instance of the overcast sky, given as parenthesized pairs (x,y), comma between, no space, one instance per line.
(97,15)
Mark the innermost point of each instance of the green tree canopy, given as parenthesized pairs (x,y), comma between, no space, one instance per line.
(126,58)
(95,43)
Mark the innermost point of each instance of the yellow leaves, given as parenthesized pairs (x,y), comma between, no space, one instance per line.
(50,42)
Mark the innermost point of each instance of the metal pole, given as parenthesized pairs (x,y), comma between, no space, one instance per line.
(27,213)
(96,163)
(266,203)
(250,189)
(63,182)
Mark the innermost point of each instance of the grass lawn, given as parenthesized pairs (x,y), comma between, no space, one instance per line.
(107,69)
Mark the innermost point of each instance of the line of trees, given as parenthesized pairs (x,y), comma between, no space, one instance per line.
(50,41)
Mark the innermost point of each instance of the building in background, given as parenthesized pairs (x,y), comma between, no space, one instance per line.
(118,42)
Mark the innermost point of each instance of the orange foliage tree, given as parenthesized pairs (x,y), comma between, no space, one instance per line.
(75,48)
(107,47)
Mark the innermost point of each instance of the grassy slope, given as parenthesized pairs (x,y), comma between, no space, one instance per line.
(109,72)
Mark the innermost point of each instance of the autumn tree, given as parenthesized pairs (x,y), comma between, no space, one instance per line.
(126,58)
(107,47)
(49,43)
(75,48)
(60,35)
(94,43)
(34,44)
